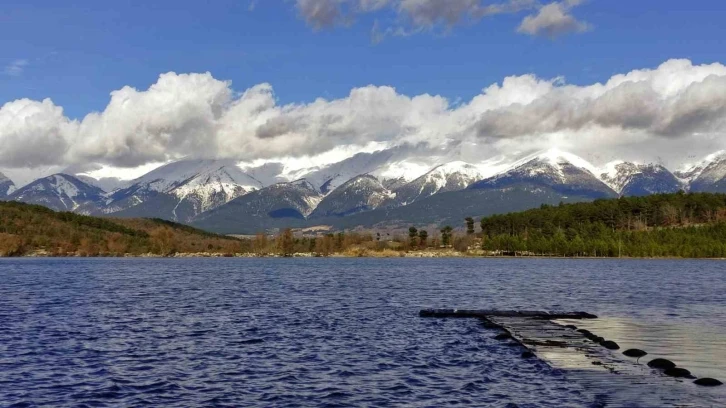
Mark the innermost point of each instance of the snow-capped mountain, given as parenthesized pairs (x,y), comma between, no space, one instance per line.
(451,176)
(361,193)
(386,165)
(6,186)
(278,205)
(708,175)
(371,187)
(631,179)
(563,172)
(332,176)
(61,192)
(182,190)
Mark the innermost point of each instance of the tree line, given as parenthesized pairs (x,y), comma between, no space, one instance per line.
(662,225)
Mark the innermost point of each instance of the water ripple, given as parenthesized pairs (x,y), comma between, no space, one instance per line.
(330,332)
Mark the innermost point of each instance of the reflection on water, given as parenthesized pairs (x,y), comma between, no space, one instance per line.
(700,349)
(332,332)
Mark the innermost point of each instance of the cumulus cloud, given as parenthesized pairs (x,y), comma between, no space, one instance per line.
(199,116)
(176,115)
(642,100)
(16,67)
(553,20)
(33,133)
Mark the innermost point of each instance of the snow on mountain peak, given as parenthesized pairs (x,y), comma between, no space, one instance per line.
(544,162)
(401,170)
(707,170)
(456,167)
(63,185)
(209,186)
(170,176)
(441,175)
(60,192)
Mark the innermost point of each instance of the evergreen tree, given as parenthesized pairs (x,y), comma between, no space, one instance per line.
(412,235)
(446,236)
(469,226)
(422,237)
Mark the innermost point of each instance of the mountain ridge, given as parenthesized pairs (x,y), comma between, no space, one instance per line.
(205,192)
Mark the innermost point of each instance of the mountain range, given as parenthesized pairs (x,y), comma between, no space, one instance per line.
(367,190)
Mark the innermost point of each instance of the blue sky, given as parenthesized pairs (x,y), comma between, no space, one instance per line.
(77,54)
(127,86)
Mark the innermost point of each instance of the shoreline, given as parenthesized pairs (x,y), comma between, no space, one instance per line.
(386,254)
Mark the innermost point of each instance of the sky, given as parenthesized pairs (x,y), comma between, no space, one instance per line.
(128,84)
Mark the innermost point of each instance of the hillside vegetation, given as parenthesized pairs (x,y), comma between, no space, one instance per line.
(27,229)
(663,225)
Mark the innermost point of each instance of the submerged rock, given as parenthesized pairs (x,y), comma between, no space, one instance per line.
(571,326)
(585,332)
(635,353)
(677,372)
(610,345)
(708,382)
(503,336)
(527,354)
(661,364)
(488,325)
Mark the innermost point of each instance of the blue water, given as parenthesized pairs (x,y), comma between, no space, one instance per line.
(330,332)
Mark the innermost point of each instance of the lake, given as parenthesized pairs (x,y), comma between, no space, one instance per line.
(342,332)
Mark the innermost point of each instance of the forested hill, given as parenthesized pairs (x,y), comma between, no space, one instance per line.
(662,225)
(28,229)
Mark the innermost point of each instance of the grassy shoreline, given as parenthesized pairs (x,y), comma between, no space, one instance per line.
(382,254)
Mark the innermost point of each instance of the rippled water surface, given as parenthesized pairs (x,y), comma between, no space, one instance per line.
(333,332)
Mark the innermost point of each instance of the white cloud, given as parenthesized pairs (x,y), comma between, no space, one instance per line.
(666,112)
(676,100)
(176,116)
(16,67)
(413,16)
(33,133)
(553,20)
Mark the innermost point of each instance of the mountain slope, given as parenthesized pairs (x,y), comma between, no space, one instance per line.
(450,208)
(710,174)
(6,186)
(630,179)
(389,166)
(278,205)
(182,190)
(446,177)
(362,193)
(563,172)
(28,228)
(61,192)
